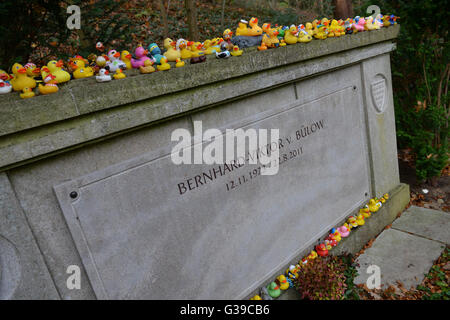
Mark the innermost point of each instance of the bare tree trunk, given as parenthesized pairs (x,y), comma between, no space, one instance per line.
(162,9)
(343,9)
(191,12)
(222,21)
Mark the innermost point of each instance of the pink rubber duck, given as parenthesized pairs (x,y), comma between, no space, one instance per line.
(344,231)
(141,55)
(360,25)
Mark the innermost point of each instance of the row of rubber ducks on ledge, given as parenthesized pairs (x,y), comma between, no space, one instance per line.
(109,66)
(284,282)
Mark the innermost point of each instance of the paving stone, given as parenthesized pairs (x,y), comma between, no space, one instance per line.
(428,223)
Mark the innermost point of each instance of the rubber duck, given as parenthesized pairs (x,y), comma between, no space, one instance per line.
(182,46)
(266,27)
(386,21)
(393,19)
(119,74)
(273,290)
(349,227)
(100,47)
(179,63)
(126,57)
(224,53)
(348,26)
(365,212)
(379,20)
(312,255)
(291,35)
(321,250)
(55,68)
(21,80)
(172,54)
(303,262)
(5,76)
(335,235)
(5,87)
(321,31)
(254,30)
(386,196)
(155,51)
(282,282)
(373,206)
(197,49)
(359,26)
(27,93)
(382,200)
(32,70)
(369,24)
(167,44)
(164,66)
(341,27)
(80,69)
(330,243)
(282,43)
(103,76)
(256,297)
(352,222)
(309,28)
(114,63)
(242,29)
(303,35)
(50,85)
(141,56)
(334,30)
(236,52)
(292,272)
(360,220)
(344,231)
(101,61)
(227,36)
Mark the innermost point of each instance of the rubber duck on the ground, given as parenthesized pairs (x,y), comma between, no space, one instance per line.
(335,235)
(348,26)
(80,69)
(182,46)
(102,60)
(5,87)
(227,36)
(273,290)
(126,57)
(344,231)
(100,47)
(21,80)
(55,68)
(382,200)
(179,63)
(292,272)
(27,93)
(373,206)
(321,31)
(386,196)
(334,30)
(5,76)
(114,62)
(282,282)
(303,35)
(172,54)
(312,255)
(197,50)
(370,25)
(103,76)
(321,250)
(167,44)
(330,243)
(242,29)
(50,85)
(365,212)
(155,51)
(236,52)
(290,35)
(352,222)
(32,70)
(119,74)
(270,40)
(164,66)
(148,67)
(256,297)
(224,53)
(254,30)
(386,22)
(360,220)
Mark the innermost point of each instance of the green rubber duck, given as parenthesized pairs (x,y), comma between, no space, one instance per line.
(274,290)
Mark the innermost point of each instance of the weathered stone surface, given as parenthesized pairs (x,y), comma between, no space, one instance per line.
(400,257)
(245,42)
(428,223)
(23,273)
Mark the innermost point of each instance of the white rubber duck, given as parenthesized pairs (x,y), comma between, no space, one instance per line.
(103,76)
(114,62)
(5,87)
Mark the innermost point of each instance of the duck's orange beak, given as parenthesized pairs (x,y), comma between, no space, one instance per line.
(37,71)
(60,63)
(129,56)
(117,55)
(22,70)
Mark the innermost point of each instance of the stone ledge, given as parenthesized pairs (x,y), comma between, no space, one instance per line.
(84,96)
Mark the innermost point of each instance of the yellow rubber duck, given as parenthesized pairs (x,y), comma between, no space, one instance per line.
(370,24)
(386,196)
(373,206)
(164,66)
(242,29)
(80,69)
(172,54)
(312,255)
(197,49)
(50,85)
(179,63)
(303,36)
(167,43)
(256,297)
(352,222)
(309,29)
(236,52)
(282,282)
(334,30)
(21,80)
(365,212)
(290,35)
(32,70)
(254,30)
(147,68)
(27,93)
(282,43)
(119,74)
(182,45)
(55,69)
(126,58)
(321,31)
(360,220)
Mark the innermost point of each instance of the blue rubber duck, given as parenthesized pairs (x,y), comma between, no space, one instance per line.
(155,52)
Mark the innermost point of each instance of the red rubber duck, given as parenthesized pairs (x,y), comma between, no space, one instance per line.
(321,250)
